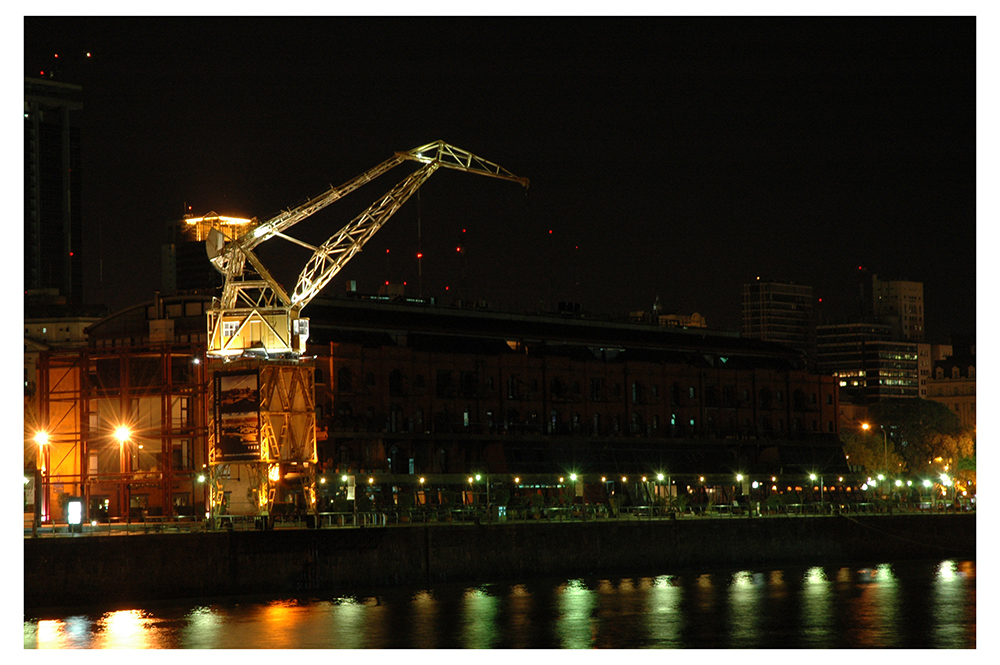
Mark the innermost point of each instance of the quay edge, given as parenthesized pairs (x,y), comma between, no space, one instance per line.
(75,571)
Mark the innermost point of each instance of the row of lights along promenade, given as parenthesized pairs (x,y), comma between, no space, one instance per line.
(386,500)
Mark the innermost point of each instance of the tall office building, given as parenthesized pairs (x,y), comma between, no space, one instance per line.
(868,363)
(780,312)
(53,228)
(899,304)
(184,262)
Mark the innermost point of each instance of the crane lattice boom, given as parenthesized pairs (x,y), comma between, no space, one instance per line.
(259,298)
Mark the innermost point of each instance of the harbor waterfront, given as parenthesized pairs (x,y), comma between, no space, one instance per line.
(75,570)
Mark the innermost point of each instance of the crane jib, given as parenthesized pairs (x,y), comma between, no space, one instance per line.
(251,291)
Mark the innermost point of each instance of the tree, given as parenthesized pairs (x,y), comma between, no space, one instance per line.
(927,432)
(869,451)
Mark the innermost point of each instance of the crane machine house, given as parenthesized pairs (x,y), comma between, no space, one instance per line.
(262,437)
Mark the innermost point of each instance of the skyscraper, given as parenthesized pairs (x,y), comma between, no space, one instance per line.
(53,228)
(900,304)
(779,312)
(184,261)
(868,363)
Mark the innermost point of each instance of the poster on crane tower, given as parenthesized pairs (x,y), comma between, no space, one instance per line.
(237,417)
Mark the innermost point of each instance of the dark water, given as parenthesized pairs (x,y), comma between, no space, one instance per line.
(929,604)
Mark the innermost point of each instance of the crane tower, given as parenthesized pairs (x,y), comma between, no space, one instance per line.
(262,438)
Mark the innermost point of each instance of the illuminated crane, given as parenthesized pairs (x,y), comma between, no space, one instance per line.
(255,314)
(262,436)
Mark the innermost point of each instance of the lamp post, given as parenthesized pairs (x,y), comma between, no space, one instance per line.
(123,434)
(885,445)
(41,476)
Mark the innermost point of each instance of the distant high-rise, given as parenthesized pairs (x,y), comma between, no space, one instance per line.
(53,227)
(184,262)
(868,363)
(779,312)
(900,304)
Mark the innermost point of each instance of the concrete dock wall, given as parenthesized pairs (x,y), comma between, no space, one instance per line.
(67,571)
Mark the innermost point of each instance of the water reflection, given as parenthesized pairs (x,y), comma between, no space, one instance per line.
(916,605)
(575,626)
(744,608)
(951,615)
(665,620)
(816,619)
(479,619)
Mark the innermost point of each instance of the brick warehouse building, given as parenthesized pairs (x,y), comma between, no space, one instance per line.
(410,388)
(407,387)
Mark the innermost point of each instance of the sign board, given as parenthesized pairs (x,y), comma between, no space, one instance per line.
(237,416)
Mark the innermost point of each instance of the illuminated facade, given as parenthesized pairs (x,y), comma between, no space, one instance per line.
(140,368)
(953,383)
(900,304)
(412,388)
(867,363)
(125,430)
(184,263)
(927,355)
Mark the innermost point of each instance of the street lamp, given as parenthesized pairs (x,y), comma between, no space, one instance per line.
(122,435)
(885,445)
(41,475)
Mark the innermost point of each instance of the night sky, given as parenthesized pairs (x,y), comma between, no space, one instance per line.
(670,157)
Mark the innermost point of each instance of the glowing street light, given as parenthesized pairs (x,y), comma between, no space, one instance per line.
(885,444)
(123,434)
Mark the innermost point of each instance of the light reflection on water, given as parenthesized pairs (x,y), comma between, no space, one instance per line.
(912,604)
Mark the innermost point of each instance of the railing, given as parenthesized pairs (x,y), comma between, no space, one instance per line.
(153,524)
